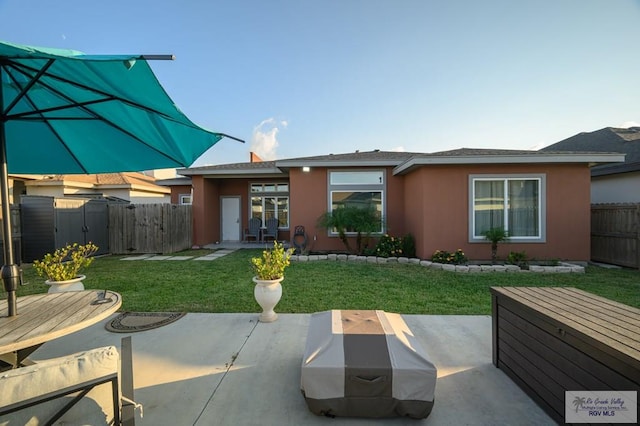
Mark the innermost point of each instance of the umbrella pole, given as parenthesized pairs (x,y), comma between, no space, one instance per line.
(10,272)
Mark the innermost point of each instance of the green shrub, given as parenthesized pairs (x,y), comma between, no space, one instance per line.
(272,263)
(409,246)
(519,258)
(389,246)
(456,258)
(65,263)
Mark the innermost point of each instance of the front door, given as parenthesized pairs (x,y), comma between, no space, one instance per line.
(230,218)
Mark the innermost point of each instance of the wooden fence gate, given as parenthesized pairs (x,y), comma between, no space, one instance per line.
(149,228)
(615,234)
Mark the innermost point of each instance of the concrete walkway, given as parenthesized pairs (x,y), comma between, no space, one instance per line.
(229,369)
(221,249)
(152,257)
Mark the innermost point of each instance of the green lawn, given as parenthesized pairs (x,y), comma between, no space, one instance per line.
(224,285)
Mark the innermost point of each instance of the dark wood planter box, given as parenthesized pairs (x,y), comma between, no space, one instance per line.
(550,340)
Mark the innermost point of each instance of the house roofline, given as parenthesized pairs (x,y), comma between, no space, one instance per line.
(66,183)
(234,172)
(60,182)
(404,164)
(616,169)
(287,164)
(534,158)
(135,187)
(174,181)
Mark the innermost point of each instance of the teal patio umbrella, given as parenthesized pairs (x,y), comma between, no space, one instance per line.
(65,112)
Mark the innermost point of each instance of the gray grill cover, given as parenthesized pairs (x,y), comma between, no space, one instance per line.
(366,364)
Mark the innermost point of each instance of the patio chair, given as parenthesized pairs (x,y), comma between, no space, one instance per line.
(272,229)
(253,231)
(47,390)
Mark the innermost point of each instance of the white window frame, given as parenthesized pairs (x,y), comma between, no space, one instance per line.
(357,187)
(542,205)
(277,194)
(181,198)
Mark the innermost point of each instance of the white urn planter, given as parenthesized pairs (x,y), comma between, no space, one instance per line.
(267,294)
(68,285)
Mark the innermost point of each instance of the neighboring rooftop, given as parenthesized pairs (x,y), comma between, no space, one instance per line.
(609,139)
(103,180)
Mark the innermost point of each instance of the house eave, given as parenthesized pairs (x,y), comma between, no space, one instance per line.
(288,164)
(60,183)
(178,181)
(616,169)
(591,159)
(233,173)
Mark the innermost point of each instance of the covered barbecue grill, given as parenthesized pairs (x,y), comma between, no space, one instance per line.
(366,364)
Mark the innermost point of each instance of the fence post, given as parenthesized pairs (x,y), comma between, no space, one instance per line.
(637,224)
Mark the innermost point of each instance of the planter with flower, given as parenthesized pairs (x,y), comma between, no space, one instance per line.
(62,267)
(269,270)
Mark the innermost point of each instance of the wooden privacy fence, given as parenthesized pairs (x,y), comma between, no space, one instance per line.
(149,228)
(615,234)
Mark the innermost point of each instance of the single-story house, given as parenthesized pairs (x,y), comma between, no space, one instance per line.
(133,187)
(445,200)
(610,183)
(180,189)
(17,186)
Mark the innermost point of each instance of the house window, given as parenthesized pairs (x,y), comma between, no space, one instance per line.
(515,203)
(185,198)
(362,189)
(270,200)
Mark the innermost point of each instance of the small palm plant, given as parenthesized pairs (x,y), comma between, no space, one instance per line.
(495,235)
(349,219)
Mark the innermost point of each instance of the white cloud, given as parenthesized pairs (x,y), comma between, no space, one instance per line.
(264,140)
(628,124)
(398,149)
(538,146)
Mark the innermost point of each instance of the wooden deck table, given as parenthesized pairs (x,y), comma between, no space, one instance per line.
(44,317)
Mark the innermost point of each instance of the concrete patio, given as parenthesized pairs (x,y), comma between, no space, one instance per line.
(229,369)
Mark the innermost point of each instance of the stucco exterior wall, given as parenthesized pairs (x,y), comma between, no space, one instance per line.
(135,195)
(568,214)
(47,191)
(395,215)
(413,207)
(309,200)
(207,215)
(620,188)
(206,210)
(443,207)
(141,197)
(437,208)
(177,190)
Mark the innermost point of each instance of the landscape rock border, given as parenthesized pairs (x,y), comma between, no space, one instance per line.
(562,268)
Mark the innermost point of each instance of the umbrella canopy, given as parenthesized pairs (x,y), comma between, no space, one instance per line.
(65,112)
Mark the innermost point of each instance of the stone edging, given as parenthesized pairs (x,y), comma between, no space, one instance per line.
(562,268)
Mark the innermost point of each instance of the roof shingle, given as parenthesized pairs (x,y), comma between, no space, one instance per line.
(609,139)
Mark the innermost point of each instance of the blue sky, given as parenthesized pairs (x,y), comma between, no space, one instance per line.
(310,77)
